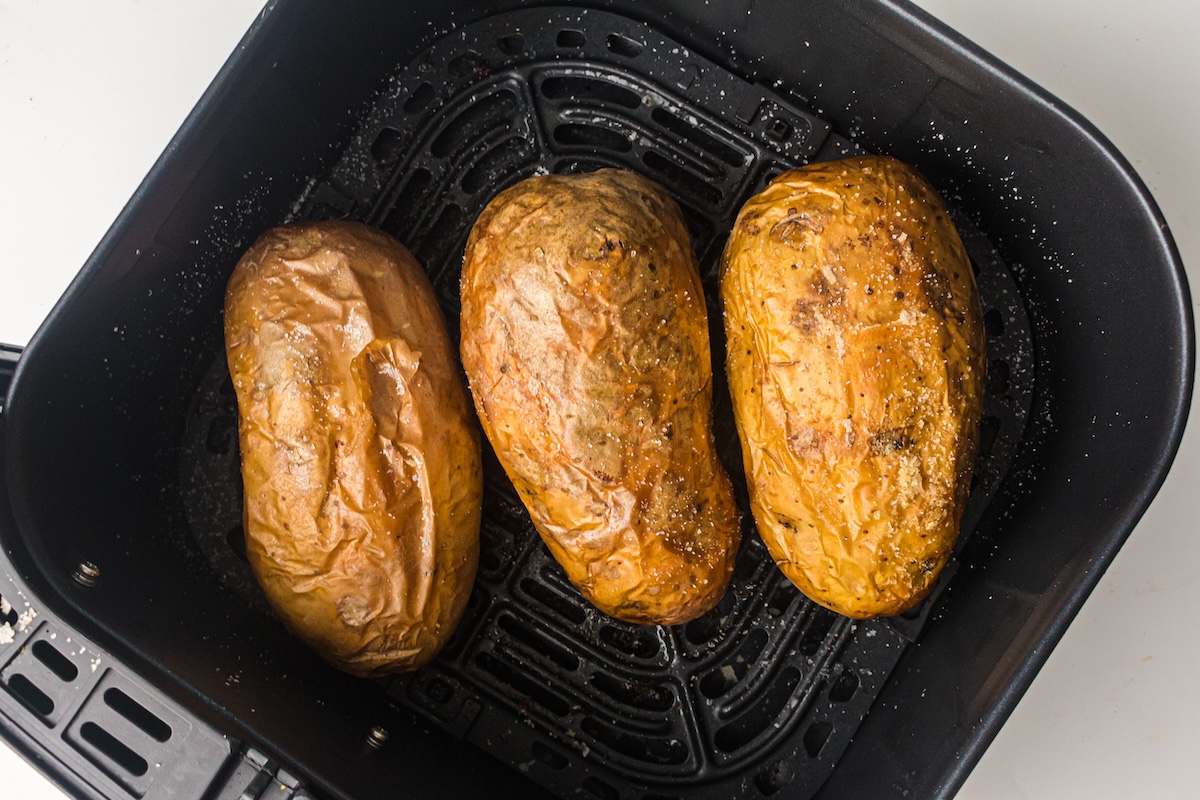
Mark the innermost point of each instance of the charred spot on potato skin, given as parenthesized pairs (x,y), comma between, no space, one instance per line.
(805,441)
(749,223)
(828,292)
(890,441)
(804,318)
(936,287)
(797,226)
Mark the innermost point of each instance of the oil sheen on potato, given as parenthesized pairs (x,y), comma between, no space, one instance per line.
(585,341)
(856,365)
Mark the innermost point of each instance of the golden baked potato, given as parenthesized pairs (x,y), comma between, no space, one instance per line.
(585,341)
(856,366)
(360,459)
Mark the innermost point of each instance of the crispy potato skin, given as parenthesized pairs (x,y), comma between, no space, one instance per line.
(856,366)
(585,341)
(360,459)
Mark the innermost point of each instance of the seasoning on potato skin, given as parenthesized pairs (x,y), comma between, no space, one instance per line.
(585,341)
(360,460)
(856,366)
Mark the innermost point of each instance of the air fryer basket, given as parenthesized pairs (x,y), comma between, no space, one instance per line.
(411,119)
(768,688)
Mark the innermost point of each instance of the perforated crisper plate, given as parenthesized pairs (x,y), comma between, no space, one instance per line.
(765,691)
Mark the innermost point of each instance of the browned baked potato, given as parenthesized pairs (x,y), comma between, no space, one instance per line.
(360,458)
(585,341)
(856,365)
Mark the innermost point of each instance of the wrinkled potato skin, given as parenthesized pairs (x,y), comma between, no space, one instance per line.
(856,366)
(360,459)
(585,341)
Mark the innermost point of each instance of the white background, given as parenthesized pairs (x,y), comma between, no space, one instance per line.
(91,92)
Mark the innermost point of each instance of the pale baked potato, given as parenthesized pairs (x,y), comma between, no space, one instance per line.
(585,342)
(856,367)
(360,457)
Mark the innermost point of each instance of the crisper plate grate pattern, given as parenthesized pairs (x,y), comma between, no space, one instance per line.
(765,691)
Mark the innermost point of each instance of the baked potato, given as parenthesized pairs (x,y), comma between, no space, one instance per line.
(856,366)
(360,457)
(585,342)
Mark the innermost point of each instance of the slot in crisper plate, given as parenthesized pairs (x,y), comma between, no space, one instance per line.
(766,690)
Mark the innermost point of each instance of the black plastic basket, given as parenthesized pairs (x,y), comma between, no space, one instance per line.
(153,668)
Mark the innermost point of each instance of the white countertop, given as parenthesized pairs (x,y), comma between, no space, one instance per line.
(91,92)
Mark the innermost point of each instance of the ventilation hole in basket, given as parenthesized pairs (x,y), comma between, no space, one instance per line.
(639,694)
(816,631)
(844,687)
(575,165)
(114,748)
(536,641)
(782,598)
(989,429)
(638,746)
(221,431)
(816,736)
(8,617)
(554,601)
(744,729)
(708,626)
(420,99)
(569,37)
(774,778)
(490,561)
(55,661)
(604,92)
(681,179)
(494,110)
(690,133)
(34,698)
(409,205)
(592,136)
(235,537)
(723,678)
(511,45)
(637,642)
(997,378)
(324,211)
(522,684)
(443,237)
(469,63)
(497,165)
(551,758)
(703,628)
(624,46)
(993,323)
(138,714)
(387,147)
(493,548)
(779,130)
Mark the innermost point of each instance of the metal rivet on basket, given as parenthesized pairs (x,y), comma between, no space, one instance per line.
(86,574)
(377,737)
